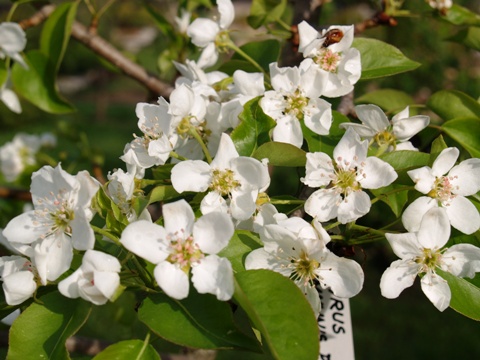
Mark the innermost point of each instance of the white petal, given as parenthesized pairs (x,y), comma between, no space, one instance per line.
(465,177)
(191,175)
(319,170)
(227,13)
(69,286)
(53,256)
(284,79)
(445,161)
(423,178)
(225,153)
(100,261)
(313,82)
(405,246)
(312,296)
(412,216)
(172,280)
(10,99)
(248,83)
(203,31)
(323,204)
(463,215)
(83,237)
(437,291)
(18,287)
(251,172)
(404,129)
(288,130)
(146,240)
(213,231)
(373,117)
(106,283)
(24,228)
(343,276)
(214,275)
(242,205)
(260,259)
(400,275)
(362,130)
(377,173)
(434,229)
(179,218)
(209,56)
(461,260)
(306,34)
(350,149)
(318,116)
(213,201)
(354,206)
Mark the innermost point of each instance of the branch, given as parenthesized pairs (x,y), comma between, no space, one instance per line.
(104,49)
(15,194)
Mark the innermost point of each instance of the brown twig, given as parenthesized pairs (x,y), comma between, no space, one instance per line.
(104,49)
(15,194)
(378,19)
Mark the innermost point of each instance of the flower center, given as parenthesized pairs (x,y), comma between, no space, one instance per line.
(429,260)
(296,102)
(184,252)
(328,60)
(345,178)
(154,132)
(56,213)
(304,269)
(442,189)
(223,181)
(186,126)
(385,139)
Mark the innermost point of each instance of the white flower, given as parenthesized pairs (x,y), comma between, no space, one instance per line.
(343,179)
(18,154)
(12,42)
(19,279)
(296,249)
(96,280)
(240,178)
(59,222)
(185,245)
(183,21)
(10,99)
(422,252)
(296,97)
(388,135)
(207,34)
(441,5)
(446,186)
(330,52)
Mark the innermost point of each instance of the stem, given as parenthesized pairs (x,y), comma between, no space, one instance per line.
(286,202)
(331,226)
(10,13)
(368,230)
(173,154)
(192,131)
(284,25)
(337,237)
(242,53)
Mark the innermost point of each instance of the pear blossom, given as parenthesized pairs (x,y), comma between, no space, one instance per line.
(387,135)
(446,186)
(210,34)
(297,250)
(12,42)
(182,246)
(96,280)
(421,253)
(330,52)
(343,178)
(10,98)
(59,222)
(18,154)
(19,278)
(241,178)
(441,5)
(296,97)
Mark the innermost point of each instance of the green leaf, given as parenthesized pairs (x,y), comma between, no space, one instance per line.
(265,11)
(37,84)
(465,295)
(389,100)
(56,32)
(438,145)
(325,144)
(451,104)
(127,350)
(380,59)
(280,311)
(281,154)
(253,129)
(199,321)
(233,65)
(396,201)
(162,193)
(3,73)
(458,15)
(41,331)
(466,131)
(405,160)
(469,37)
(263,52)
(240,245)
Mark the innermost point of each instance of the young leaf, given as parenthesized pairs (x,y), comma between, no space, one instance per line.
(465,295)
(389,100)
(49,326)
(467,132)
(458,15)
(391,62)
(281,154)
(127,350)
(279,310)
(199,321)
(452,104)
(253,129)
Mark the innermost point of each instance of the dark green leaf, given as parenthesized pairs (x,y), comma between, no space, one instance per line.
(467,132)
(280,311)
(396,200)
(281,154)
(240,245)
(405,160)
(128,350)
(380,59)
(465,295)
(451,104)
(438,145)
(37,84)
(263,12)
(263,52)
(41,331)
(3,73)
(469,37)
(389,100)
(162,193)
(199,321)
(325,144)
(253,129)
